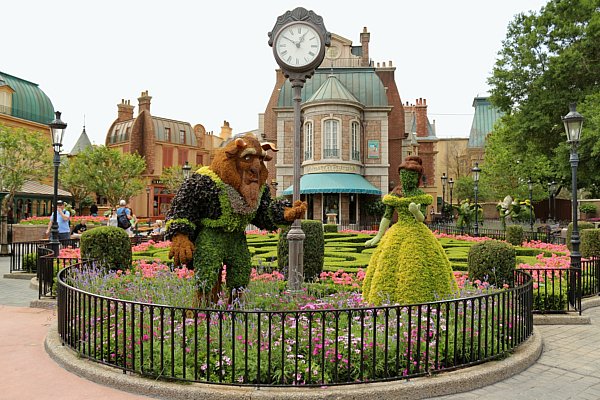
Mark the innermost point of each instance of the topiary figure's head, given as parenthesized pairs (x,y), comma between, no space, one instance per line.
(241,165)
(411,172)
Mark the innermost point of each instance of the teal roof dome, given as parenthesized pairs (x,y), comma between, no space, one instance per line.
(332,90)
(28,100)
(362,83)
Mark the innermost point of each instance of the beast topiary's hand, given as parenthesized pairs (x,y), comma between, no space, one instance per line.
(182,250)
(295,212)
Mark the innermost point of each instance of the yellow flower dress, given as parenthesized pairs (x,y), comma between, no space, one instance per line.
(409,266)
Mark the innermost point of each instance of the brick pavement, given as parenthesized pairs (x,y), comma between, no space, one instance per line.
(569,367)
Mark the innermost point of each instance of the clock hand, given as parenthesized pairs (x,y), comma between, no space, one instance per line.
(285,37)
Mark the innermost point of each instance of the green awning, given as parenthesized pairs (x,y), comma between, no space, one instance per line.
(333,183)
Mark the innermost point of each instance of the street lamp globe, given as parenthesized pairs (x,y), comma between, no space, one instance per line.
(58,128)
(186,170)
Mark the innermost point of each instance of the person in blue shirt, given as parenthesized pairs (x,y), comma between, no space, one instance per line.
(123,209)
(63,216)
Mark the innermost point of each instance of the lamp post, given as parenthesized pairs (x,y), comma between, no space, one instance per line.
(573,122)
(476,170)
(530,187)
(444,180)
(148,201)
(450,187)
(58,128)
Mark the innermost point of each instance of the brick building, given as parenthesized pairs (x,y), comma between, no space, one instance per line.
(163,143)
(355,133)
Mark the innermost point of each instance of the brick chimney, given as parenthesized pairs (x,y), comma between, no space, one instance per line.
(144,102)
(226,131)
(365,37)
(421,117)
(125,111)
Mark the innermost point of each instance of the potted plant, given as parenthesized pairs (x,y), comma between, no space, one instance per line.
(587,211)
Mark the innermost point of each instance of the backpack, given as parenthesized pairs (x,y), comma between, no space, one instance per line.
(123,221)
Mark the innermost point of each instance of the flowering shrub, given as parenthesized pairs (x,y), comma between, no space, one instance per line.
(69,252)
(340,277)
(74,220)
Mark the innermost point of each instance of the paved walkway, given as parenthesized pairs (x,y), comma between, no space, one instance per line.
(569,367)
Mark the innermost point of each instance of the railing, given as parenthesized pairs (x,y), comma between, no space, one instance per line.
(48,267)
(498,234)
(331,153)
(556,290)
(23,255)
(290,348)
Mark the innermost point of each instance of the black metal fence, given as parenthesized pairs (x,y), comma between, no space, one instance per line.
(308,347)
(546,236)
(24,255)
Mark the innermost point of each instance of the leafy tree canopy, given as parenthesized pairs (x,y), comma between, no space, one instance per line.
(549,59)
(108,173)
(172,177)
(24,155)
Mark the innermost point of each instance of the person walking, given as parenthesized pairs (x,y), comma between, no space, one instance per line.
(62,217)
(94,210)
(124,210)
(112,218)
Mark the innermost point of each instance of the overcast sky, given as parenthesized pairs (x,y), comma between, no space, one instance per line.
(206,62)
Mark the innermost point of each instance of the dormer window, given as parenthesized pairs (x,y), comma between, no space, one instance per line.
(182,136)
(167,134)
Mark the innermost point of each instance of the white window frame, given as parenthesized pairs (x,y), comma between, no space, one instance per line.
(355,141)
(331,139)
(309,138)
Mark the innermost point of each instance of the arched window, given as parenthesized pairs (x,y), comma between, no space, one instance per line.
(308,141)
(355,155)
(331,143)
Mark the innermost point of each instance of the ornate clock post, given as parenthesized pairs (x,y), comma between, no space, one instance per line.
(298,39)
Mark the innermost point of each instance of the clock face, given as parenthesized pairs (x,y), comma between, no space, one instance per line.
(297,45)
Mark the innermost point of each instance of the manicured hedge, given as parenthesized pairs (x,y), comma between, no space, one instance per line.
(314,248)
(492,261)
(581,225)
(514,235)
(590,243)
(109,245)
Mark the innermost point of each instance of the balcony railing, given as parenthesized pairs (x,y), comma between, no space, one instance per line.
(356,155)
(331,153)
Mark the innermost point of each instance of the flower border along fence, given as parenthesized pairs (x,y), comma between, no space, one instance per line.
(310,347)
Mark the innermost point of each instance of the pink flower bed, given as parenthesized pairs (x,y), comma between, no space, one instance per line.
(340,277)
(151,243)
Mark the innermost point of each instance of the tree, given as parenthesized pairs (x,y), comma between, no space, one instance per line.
(73,181)
(548,59)
(24,155)
(172,177)
(110,173)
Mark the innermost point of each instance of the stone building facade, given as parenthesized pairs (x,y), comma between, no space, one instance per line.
(163,143)
(355,133)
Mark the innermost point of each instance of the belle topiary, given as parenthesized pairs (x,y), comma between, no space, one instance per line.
(514,235)
(109,245)
(590,243)
(492,261)
(410,265)
(314,249)
(581,225)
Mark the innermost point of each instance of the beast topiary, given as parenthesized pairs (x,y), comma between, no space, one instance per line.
(514,234)
(108,245)
(492,261)
(314,249)
(590,243)
(581,225)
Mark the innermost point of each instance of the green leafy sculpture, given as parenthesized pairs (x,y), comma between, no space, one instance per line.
(514,210)
(466,214)
(212,208)
(410,265)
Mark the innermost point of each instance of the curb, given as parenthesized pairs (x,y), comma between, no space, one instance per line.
(458,381)
(19,275)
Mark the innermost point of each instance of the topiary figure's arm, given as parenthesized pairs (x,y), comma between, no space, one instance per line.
(271,214)
(383,225)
